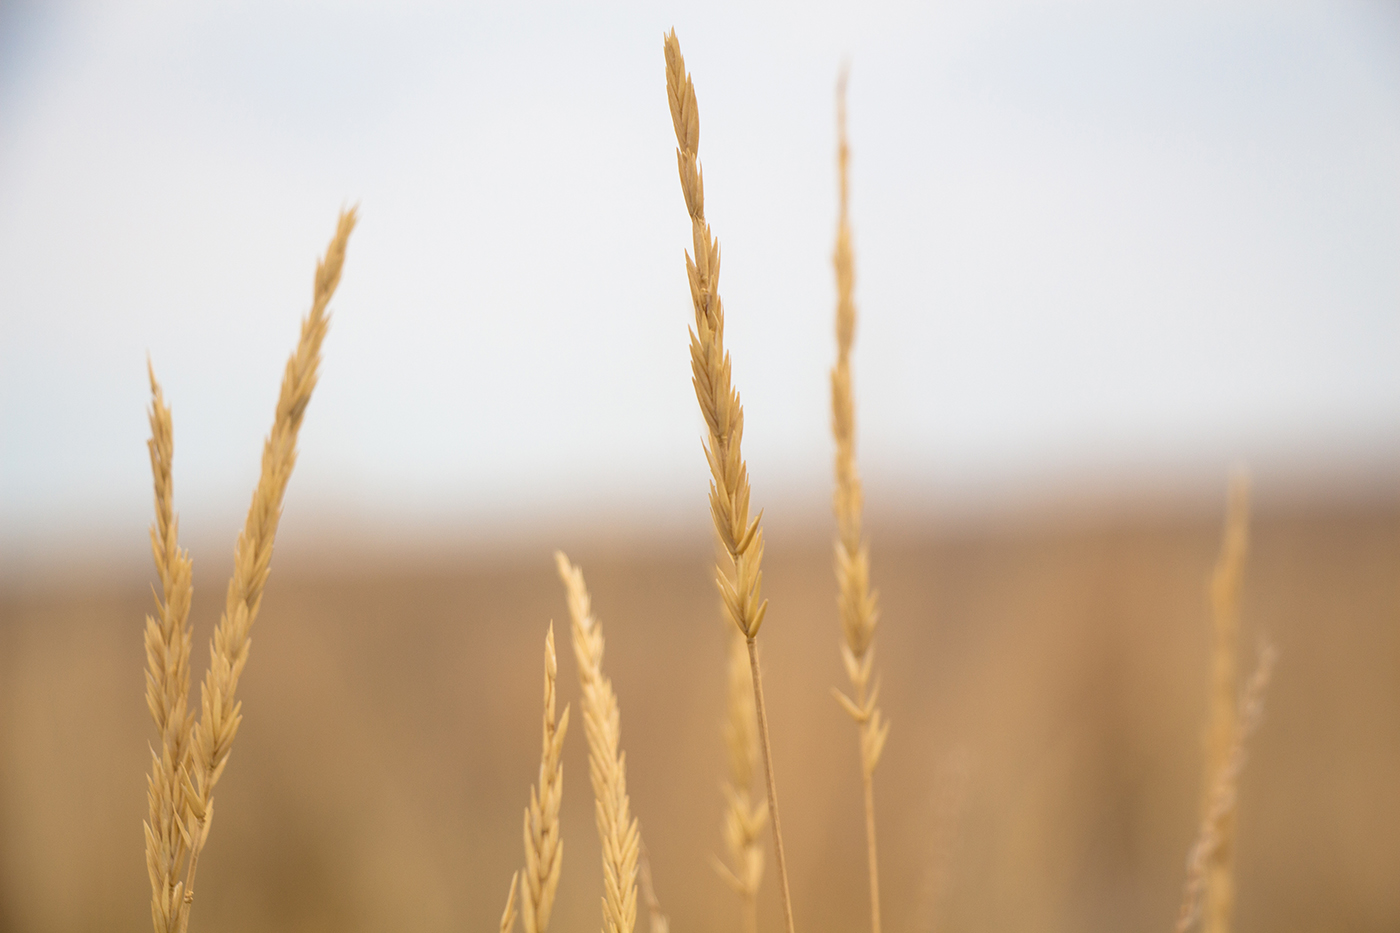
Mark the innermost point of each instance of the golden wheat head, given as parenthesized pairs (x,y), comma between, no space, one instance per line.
(740,586)
(1223,725)
(1224,795)
(544,849)
(710,368)
(167,683)
(856,601)
(193,754)
(607,764)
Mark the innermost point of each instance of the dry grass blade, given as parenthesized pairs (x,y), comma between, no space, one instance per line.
(745,816)
(1224,795)
(544,850)
(167,683)
(1223,724)
(658,921)
(857,603)
(508,915)
(219,708)
(740,587)
(607,765)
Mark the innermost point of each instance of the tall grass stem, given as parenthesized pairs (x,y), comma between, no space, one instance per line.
(857,603)
(740,584)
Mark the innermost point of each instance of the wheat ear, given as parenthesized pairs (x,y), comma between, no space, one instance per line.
(1224,720)
(167,683)
(607,764)
(724,418)
(744,816)
(544,850)
(219,709)
(1224,795)
(857,603)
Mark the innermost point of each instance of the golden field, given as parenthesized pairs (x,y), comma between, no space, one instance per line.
(1046,681)
(1058,683)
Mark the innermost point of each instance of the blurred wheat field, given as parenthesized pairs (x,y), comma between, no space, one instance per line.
(392,718)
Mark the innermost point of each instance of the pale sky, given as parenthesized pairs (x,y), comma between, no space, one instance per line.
(1093,240)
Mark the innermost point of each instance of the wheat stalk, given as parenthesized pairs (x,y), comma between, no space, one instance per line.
(744,817)
(857,603)
(1223,722)
(167,682)
(211,738)
(1223,795)
(544,850)
(607,764)
(724,418)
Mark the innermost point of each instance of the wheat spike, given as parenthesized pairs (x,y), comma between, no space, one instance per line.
(1223,724)
(544,849)
(607,764)
(740,586)
(167,682)
(857,603)
(744,816)
(219,709)
(710,365)
(1223,796)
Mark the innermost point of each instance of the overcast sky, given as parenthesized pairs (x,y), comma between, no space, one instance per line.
(1093,240)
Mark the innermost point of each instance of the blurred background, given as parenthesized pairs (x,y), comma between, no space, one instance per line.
(1104,253)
